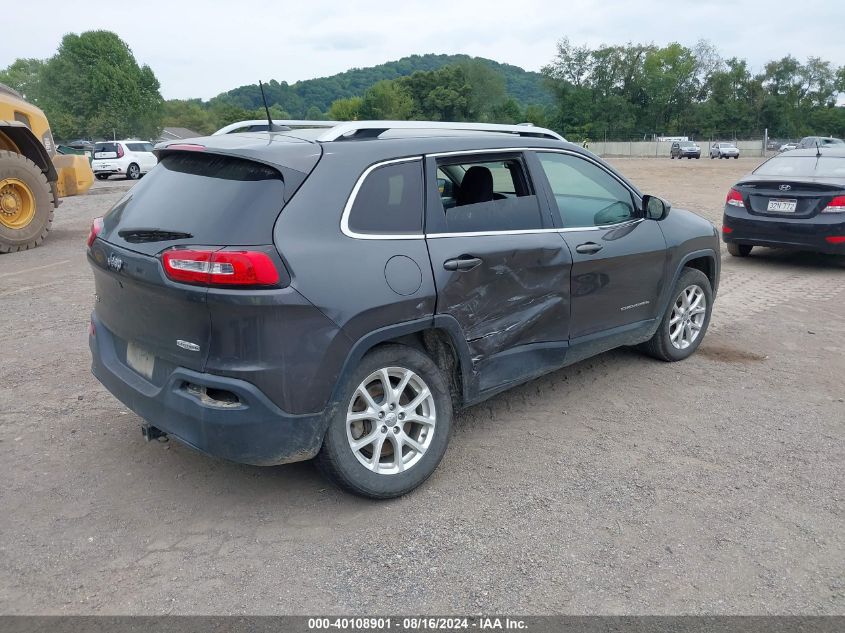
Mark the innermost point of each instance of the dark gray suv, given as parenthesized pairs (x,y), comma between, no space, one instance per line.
(338,292)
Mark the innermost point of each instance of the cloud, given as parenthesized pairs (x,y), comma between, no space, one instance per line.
(199,48)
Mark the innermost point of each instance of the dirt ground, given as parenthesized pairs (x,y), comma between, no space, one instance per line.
(618,485)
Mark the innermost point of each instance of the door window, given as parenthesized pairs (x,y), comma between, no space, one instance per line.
(586,195)
(487,196)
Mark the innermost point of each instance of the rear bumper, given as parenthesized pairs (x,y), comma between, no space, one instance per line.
(806,234)
(255,431)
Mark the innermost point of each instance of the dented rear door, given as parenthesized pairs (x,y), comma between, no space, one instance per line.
(500,269)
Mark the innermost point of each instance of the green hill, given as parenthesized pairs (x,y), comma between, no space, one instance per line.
(525,87)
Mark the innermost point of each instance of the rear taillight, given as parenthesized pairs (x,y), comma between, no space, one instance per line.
(835,239)
(120,151)
(220,268)
(727,229)
(96,227)
(837,205)
(734,198)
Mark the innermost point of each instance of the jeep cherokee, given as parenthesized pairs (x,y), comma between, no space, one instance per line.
(338,292)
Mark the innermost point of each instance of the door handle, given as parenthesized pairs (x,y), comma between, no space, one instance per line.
(588,248)
(464,262)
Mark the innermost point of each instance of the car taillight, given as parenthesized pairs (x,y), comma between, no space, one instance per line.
(220,268)
(734,198)
(727,229)
(96,227)
(120,151)
(835,239)
(837,205)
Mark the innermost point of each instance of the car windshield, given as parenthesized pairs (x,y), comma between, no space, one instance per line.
(803,166)
(726,145)
(687,144)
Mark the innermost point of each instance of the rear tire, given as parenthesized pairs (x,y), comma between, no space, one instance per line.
(368,409)
(102,176)
(739,250)
(133,172)
(25,184)
(670,345)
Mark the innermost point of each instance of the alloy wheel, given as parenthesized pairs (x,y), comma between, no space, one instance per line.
(391,420)
(687,318)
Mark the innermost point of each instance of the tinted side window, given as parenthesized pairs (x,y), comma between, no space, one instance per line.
(139,147)
(489,196)
(390,201)
(586,195)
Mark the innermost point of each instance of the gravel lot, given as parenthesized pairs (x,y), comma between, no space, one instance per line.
(618,485)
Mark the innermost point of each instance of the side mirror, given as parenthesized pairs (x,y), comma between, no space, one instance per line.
(655,208)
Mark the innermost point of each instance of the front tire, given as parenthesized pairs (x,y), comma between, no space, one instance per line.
(392,427)
(686,320)
(739,250)
(133,172)
(26,203)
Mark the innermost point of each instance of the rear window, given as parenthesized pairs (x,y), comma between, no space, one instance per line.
(218,200)
(803,167)
(105,147)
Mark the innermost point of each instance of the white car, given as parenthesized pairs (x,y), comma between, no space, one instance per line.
(128,158)
(724,150)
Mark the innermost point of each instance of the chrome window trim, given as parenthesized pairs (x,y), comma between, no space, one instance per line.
(344,219)
(571,229)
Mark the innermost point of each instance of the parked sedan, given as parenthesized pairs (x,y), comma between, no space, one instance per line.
(724,150)
(794,200)
(809,142)
(684,149)
(788,146)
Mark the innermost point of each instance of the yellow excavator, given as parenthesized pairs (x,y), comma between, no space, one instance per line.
(33,176)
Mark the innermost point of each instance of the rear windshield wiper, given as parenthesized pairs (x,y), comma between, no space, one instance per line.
(137,236)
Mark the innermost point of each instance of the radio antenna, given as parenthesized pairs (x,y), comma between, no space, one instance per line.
(271,126)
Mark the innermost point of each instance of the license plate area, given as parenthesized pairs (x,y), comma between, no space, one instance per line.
(140,360)
(781,205)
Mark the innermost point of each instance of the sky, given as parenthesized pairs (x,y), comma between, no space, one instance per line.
(200,48)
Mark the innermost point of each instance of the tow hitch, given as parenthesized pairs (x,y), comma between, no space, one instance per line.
(151,433)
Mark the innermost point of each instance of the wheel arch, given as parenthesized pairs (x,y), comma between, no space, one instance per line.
(706,260)
(440,337)
(24,141)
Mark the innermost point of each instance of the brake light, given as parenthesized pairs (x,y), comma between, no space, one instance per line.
(727,229)
(96,227)
(835,239)
(119,150)
(734,198)
(837,205)
(188,147)
(220,268)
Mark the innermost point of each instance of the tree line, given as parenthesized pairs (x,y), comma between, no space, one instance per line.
(634,90)
(94,88)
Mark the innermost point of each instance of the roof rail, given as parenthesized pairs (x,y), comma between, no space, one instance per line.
(372,129)
(289,123)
